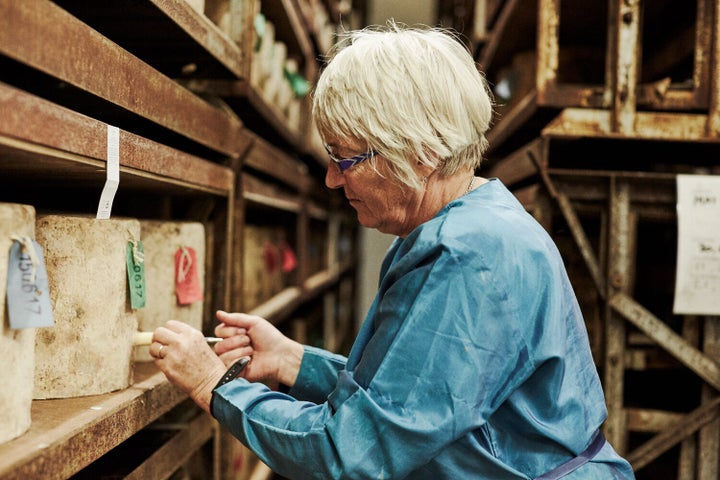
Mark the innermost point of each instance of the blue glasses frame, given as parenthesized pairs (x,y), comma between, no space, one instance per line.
(345,163)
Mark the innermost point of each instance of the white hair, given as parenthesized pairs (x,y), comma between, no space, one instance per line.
(412,94)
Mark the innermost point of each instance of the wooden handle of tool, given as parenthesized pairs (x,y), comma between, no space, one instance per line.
(142,339)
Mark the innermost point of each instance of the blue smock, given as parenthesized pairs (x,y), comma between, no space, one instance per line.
(472,363)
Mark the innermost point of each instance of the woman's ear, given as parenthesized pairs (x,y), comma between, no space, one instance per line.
(424,170)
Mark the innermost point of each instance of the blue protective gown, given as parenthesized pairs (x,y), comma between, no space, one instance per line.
(472,363)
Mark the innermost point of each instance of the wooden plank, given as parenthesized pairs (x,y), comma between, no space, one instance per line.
(583,243)
(713,118)
(329,329)
(709,437)
(266,158)
(621,241)
(241,95)
(289,29)
(584,122)
(68,434)
(263,193)
(513,120)
(650,420)
(261,472)
(333,241)
(576,228)
(514,14)
(567,96)
(625,28)
(528,197)
(662,442)
(175,452)
(100,67)
(703,366)
(317,212)
(172,36)
(518,166)
(548,50)
(29,122)
(278,307)
(479,23)
(687,459)
(205,33)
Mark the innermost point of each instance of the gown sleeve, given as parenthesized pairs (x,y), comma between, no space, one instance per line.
(318,375)
(432,370)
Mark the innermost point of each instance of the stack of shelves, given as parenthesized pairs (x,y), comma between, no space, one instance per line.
(199,141)
(621,99)
(277,191)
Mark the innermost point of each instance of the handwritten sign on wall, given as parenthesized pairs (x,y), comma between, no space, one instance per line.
(697,279)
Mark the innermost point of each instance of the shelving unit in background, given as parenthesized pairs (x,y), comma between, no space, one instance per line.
(199,141)
(605,105)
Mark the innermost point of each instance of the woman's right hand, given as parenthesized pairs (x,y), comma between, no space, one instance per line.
(275,358)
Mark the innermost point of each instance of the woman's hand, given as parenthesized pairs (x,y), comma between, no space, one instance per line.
(275,357)
(183,355)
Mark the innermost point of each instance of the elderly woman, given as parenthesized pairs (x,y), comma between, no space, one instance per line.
(473,361)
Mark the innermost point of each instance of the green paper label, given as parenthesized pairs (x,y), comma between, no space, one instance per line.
(136,274)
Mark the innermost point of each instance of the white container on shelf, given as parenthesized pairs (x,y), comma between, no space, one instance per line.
(17,346)
(89,349)
(161,240)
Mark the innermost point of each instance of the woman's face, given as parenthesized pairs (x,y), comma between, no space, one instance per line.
(381,202)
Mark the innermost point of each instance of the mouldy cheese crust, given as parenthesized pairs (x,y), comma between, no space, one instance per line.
(161,239)
(17,346)
(88,350)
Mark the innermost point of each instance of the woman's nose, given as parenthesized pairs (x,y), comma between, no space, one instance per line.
(333,176)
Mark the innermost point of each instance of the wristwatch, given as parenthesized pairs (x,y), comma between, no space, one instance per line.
(231,374)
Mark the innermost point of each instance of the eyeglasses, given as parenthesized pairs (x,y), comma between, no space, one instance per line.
(345,163)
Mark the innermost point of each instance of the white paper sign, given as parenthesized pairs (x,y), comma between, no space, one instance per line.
(697,279)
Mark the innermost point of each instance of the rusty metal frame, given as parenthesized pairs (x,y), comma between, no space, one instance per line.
(622,108)
(613,288)
(550,92)
(621,91)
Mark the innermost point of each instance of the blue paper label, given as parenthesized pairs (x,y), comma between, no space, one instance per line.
(28,294)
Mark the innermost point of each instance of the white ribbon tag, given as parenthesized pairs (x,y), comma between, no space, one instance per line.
(112,179)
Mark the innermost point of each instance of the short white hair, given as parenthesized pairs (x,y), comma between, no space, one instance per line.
(411,93)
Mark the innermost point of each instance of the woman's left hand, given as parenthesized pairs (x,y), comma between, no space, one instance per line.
(183,355)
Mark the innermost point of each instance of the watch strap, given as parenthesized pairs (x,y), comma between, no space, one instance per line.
(231,374)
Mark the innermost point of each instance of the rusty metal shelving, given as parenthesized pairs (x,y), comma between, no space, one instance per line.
(623,97)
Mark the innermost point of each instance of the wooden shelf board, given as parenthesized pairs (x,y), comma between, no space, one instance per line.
(169,35)
(503,42)
(279,307)
(270,160)
(656,126)
(272,202)
(256,113)
(176,451)
(67,434)
(260,193)
(289,28)
(518,166)
(58,141)
(101,69)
